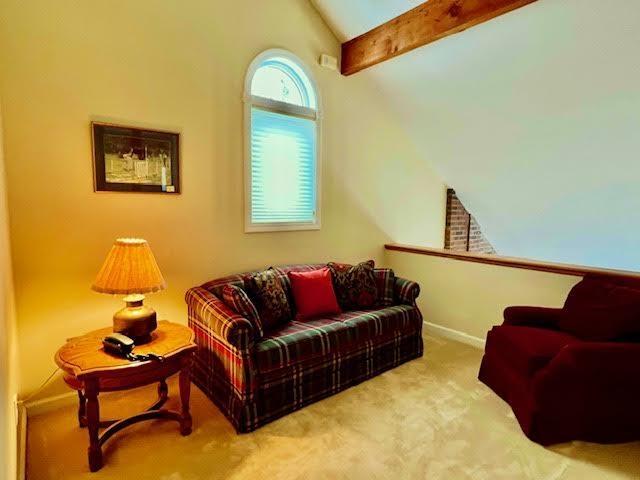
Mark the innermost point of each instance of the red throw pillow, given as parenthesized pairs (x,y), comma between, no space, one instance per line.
(313,293)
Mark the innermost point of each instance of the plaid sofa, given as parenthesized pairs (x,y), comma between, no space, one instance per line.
(256,381)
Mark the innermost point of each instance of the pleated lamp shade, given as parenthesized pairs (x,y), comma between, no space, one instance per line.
(130,267)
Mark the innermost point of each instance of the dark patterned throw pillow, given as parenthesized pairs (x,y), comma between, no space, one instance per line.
(385,279)
(355,285)
(237,300)
(268,292)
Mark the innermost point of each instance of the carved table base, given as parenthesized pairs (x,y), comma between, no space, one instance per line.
(89,415)
(163,395)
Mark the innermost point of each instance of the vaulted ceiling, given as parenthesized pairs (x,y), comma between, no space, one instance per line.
(532,117)
(351,18)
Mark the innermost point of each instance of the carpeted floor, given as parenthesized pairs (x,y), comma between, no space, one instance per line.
(429,418)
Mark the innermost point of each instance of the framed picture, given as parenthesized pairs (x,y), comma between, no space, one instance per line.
(129,159)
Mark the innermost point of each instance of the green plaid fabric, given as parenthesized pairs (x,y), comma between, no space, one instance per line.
(302,340)
(238,300)
(300,362)
(405,291)
(385,284)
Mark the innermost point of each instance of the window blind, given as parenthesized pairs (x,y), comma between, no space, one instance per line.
(283,168)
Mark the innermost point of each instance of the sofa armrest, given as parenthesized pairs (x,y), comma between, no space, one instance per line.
(225,324)
(405,291)
(532,316)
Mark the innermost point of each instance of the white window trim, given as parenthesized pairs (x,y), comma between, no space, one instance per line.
(279,107)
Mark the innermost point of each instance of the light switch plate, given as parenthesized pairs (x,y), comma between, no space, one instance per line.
(327,61)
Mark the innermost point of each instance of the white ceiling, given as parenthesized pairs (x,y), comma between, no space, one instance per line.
(534,119)
(350,18)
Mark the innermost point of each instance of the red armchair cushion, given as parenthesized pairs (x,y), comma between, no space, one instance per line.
(600,311)
(313,293)
(527,349)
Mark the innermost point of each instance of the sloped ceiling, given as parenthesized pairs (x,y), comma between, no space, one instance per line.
(534,119)
(350,18)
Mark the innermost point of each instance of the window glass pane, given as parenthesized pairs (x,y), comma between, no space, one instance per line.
(271,82)
(283,80)
(283,168)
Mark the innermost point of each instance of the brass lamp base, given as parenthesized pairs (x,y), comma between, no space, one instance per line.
(136,320)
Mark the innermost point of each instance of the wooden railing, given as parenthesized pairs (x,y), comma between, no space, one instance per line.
(513,262)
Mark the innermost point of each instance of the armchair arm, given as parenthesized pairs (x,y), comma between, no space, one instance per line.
(210,312)
(589,377)
(600,361)
(405,291)
(532,316)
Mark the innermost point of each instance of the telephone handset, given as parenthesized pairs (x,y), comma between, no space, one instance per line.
(122,346)
(118,344)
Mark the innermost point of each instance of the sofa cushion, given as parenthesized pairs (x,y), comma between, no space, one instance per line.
(298,341)
(313,293)
(269,294)
(355,285)
(237,300)
(385,281)
(370,324)
(600,311)
(527,349)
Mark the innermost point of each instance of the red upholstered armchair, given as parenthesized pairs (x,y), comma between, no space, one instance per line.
(571,373)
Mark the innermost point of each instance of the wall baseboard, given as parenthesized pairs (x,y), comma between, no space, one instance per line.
(21,426)
(30,409)
(458,336)
(48,404)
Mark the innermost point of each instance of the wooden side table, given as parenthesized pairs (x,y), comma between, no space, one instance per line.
(90,370)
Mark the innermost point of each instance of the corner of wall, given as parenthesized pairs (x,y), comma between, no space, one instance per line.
(8,338)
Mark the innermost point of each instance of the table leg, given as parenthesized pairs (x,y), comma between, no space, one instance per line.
(163,391)
(93,425)
(185,393)
(82,409)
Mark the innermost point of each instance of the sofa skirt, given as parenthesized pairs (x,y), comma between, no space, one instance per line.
(286,390)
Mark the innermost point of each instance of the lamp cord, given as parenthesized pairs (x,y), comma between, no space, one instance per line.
(41,387)
(132,357)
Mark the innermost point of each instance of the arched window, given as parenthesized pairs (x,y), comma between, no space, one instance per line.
(282,130)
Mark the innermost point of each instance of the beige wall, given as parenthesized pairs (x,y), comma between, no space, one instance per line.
(177,65)
(470,297)
(8,340)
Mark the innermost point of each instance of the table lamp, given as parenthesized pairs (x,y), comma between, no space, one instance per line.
(130,269)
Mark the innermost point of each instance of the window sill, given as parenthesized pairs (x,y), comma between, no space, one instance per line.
(290,227)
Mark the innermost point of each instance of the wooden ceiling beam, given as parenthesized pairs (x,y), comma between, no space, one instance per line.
(426,23)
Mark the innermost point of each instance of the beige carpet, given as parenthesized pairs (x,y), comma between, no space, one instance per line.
(429,418)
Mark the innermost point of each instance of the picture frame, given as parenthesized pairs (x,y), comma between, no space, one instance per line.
(132,159)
